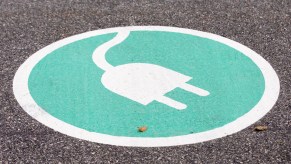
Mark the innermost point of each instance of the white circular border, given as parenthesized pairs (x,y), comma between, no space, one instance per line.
(269,98)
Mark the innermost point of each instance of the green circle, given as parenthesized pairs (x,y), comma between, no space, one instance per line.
(66,84)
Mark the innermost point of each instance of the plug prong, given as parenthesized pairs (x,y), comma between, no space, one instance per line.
(171,102)
(193,89)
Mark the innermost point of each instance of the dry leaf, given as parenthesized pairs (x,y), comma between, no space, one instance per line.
(261,128)
(142,128)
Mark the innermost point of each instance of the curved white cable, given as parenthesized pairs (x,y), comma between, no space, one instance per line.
(100,52)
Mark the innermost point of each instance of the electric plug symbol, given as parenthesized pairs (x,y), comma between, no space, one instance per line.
(142,82)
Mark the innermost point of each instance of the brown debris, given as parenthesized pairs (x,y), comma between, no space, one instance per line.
(142,129)
(261,128)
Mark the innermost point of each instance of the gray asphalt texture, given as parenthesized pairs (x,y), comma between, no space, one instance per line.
(29,25)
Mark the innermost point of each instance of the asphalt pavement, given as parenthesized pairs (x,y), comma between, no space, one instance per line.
(29,25)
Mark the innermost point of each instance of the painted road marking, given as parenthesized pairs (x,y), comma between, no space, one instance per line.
(61,86)
(141,82)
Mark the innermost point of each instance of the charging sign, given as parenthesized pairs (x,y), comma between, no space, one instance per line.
(185,86)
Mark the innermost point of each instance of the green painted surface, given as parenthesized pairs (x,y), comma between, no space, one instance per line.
(66,83)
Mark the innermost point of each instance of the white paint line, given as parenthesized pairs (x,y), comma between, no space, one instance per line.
(171,102)
(270,95)
(193,89)
(100,52)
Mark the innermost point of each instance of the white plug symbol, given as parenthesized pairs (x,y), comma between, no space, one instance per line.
(141,82)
